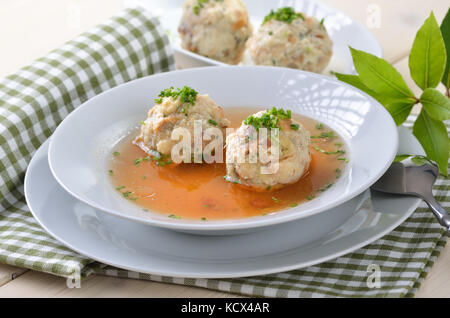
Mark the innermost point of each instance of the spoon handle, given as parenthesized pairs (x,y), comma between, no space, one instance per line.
(439,211)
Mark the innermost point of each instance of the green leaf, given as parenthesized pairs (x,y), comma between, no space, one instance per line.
(427,57)
(380,76)
(445,30)
(416,159)
(432,134)
(435,104)
(400,158)
(399,110)
(421,160)
(355,81)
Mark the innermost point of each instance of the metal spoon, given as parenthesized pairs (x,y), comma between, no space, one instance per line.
(408,178)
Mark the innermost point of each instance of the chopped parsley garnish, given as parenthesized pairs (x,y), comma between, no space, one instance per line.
(319,126)
(137,161)
(321,23)
(143,177)
(328,134)
(295,126)
(275,200)
(173,216)
(160,161)
(196,9)
(285,14)
(111,173)
(294,205)
(116,153)
(228,179)
(126,194)
(212,122)
(270,33)
(310,197)
(185,95)
(268,188)
(338,144)
(343,159)
(200,4)
(337,152)
(338,173)
(143,122)
(203,219)
(269,119)
(329,185)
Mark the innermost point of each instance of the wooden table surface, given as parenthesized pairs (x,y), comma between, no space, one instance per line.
(30,28)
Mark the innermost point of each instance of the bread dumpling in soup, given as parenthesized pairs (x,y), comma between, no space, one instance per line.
(217,29)
(174,109)
(291,39)
(293,151)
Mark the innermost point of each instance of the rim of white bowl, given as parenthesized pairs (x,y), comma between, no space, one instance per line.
(244,223)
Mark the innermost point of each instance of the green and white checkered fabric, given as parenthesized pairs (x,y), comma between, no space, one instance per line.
(35,100)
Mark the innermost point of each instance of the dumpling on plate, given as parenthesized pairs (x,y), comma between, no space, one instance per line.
(217,29)
(179,108)
(291,39)
(293,151)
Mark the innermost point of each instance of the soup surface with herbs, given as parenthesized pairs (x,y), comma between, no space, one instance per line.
(199,191)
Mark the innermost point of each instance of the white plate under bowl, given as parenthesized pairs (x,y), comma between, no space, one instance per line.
(83,143)
(146,249)
(343,30)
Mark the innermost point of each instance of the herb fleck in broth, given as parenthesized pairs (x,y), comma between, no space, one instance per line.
(199,191)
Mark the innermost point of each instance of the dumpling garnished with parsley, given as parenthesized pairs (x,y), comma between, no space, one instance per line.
(255,171)
(217,29)
(178,108)
(291,39)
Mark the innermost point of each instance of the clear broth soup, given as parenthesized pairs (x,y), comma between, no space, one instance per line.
(199,191)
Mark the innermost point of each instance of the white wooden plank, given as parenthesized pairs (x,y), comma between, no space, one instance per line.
(399,20)
(437,282)
(29,29)
(35,284)
(8,273)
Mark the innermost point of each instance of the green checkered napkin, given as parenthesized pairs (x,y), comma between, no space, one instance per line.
(33,102)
